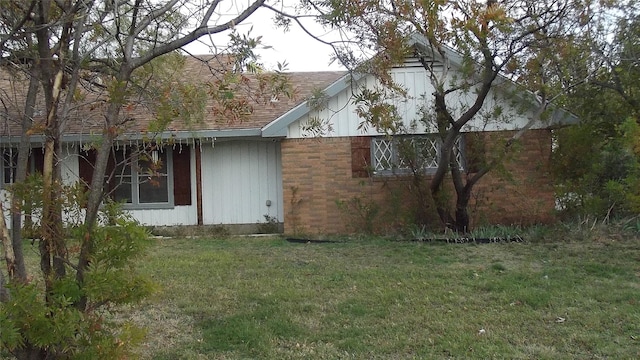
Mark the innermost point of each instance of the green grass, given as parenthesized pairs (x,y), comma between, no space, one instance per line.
(243,298)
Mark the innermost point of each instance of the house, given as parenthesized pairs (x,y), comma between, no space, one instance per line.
(271,167)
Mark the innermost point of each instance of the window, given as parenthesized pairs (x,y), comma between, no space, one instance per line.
(402,154)
(141,178)
(9,165)
(157,189)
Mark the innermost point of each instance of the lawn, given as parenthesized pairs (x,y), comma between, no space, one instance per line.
(265,298)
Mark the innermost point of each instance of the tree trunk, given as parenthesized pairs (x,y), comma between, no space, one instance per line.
(96,190)
(461,224)
(442,207)
(462,220)
(21,173)
(8,255)
(52,249)
(51,222)
(448,133)
(441,200)
(4,292)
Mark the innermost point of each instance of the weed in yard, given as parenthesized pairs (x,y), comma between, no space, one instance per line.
(498,267)
(420,233)
(269,226)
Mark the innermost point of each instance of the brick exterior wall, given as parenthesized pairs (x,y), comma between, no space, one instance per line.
(523,192)
(319,173)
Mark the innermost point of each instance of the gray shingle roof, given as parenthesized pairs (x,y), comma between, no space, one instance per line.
(87,117)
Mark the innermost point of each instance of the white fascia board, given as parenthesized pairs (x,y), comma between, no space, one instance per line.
(561,117)
(278,127)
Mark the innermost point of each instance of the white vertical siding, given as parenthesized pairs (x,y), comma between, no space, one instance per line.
(238,177)
(178,215)
(340,110)
(68,164)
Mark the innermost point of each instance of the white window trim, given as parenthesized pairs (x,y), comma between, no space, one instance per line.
(394,160)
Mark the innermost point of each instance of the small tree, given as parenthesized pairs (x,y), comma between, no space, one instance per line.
(108,56)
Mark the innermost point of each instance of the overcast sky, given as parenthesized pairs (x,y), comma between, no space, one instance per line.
(298,49)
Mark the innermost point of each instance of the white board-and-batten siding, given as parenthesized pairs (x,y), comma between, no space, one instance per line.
(340,111)
(239,180)
(68,172)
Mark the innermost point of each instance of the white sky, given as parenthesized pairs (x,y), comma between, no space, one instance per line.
(299,50)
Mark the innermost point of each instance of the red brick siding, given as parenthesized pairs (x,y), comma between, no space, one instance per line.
(525,195)
(322,171)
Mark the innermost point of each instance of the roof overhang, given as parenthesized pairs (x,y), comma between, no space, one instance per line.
(560,118)
(279,126)
(180,136)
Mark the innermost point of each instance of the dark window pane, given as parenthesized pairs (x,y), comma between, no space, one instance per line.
(9,163)
(123,163)
(153,189)
(122,192)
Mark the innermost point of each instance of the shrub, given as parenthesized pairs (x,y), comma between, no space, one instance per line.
(72,318)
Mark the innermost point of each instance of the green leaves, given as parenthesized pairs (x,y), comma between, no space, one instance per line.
(373,107)
(55,323)
(29,318)
(243,47)
(598,163)
(599,176)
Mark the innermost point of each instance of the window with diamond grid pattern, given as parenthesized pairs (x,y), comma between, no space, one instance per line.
(401,154)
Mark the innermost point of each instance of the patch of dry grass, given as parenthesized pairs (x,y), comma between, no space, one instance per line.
(239,298)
